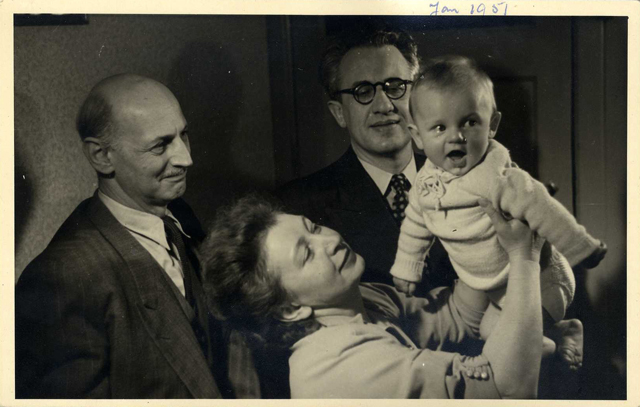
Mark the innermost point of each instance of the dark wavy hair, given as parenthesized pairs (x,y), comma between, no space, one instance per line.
(239,287)
(375,37)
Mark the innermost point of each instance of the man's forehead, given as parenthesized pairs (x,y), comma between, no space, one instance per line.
(373,64)
(137,95)
(147,120)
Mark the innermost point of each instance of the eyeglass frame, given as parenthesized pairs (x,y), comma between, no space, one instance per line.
(384,84)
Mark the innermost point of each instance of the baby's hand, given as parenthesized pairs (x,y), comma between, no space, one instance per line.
(404,286)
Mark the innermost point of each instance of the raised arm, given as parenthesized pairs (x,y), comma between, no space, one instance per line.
(525,198)
(514,348)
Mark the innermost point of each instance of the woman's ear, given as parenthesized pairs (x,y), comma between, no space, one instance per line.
(495,122)
(293,312)
(335,108)
(98,155)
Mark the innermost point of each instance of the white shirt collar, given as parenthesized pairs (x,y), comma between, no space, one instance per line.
(382,178)
(142,223)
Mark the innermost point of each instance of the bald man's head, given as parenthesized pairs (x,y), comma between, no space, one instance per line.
(111,100)
(136,138)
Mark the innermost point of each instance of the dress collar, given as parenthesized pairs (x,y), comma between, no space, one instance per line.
(333,320)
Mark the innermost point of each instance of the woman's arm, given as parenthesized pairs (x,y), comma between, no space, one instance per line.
(514,348)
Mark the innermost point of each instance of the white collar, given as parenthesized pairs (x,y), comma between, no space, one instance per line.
(142,223)
(382,178)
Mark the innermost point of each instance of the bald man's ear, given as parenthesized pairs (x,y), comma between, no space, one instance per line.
(335,108)
(293,312)
(98,155)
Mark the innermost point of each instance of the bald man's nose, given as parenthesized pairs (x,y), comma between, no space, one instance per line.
(181,153)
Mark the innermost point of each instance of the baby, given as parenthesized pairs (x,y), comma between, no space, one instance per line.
(455,116)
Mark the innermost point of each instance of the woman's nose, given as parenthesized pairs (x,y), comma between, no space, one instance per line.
(331,241)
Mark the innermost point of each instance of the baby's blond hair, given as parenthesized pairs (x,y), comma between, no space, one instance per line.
(453,72)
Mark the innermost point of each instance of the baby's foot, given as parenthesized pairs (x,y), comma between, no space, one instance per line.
(568,336)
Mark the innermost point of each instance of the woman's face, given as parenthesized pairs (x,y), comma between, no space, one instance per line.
(316,267)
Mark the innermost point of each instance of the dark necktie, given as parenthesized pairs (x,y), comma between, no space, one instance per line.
(175,236)
(200,322)
(400,185)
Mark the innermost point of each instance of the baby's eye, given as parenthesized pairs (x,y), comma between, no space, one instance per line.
(316,228)
(440,128)
(471,123)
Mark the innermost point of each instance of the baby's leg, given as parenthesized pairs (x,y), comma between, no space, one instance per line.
(472,299)
(558,288)
(563,338)
(567,336)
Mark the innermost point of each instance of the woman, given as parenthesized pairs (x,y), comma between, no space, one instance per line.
(292,284)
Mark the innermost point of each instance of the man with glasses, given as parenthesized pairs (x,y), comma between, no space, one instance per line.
(368,77)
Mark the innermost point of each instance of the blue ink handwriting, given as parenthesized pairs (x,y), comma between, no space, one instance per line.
(476,8)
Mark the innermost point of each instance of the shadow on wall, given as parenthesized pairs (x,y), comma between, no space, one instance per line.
(23,199)
(211,94)
(604,372)
(24,188)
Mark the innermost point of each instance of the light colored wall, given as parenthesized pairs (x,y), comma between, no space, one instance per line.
(216,66)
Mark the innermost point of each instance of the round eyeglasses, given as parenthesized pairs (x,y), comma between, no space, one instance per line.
(394,88)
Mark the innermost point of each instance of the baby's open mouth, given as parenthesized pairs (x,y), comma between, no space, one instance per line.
(456,155)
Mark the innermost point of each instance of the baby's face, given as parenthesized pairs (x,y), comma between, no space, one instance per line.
(453,126)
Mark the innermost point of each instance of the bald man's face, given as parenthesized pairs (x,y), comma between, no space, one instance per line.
(151,152)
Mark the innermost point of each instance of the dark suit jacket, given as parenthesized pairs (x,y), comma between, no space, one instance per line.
(97,317)
(343,197)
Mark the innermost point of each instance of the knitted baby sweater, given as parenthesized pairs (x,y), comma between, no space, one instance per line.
(446,206)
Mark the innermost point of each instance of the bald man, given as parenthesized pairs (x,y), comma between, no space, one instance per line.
(113,307)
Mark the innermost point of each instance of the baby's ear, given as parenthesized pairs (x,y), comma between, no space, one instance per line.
(415,135)
(293,312)
(495,122)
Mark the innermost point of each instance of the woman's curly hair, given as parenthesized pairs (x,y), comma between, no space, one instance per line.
(239,287)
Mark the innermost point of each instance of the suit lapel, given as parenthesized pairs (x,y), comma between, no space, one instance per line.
(361,214)
(163,316)
(357,191)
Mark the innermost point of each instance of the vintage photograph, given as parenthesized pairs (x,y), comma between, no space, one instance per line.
(321,206)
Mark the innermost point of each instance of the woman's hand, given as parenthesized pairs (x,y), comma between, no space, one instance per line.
(514,236)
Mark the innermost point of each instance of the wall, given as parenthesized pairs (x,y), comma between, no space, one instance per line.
(600,160)
(216,66)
